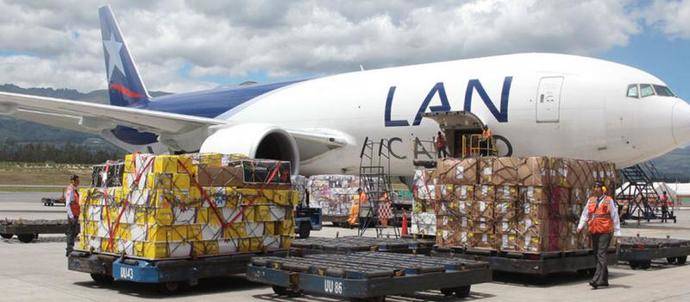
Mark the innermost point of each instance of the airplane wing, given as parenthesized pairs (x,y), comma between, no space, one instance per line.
(92,117)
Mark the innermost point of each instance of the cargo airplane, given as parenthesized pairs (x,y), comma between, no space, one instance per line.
(535,103)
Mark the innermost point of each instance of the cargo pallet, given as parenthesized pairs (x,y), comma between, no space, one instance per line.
(353,244)
(640,251)
(367,276)
(169,274)
(28,230)
(539,264)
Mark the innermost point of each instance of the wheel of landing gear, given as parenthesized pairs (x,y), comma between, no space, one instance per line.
(671,260)
(26,238)
(7,236)
(681,260)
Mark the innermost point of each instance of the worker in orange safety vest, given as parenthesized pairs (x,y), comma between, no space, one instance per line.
(356,206)
(601,216)
(73,211)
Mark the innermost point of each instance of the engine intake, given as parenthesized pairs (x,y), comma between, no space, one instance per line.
(260,141)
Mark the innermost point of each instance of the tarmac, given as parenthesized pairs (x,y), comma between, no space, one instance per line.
(37,271)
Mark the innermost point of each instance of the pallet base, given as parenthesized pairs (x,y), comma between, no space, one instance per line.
(162,271)
(530,263)
(367,275)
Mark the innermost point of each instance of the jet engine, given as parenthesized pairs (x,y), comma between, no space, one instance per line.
(260,141)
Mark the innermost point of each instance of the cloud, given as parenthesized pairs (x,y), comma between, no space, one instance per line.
(671,17)
(180,44)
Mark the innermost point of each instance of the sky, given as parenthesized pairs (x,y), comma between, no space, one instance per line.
(191,45)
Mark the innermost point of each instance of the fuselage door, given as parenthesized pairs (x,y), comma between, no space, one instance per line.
(549,99)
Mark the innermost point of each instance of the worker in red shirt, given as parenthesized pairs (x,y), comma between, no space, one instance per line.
(441,145)
(73,211)
(601,216)
(664,207)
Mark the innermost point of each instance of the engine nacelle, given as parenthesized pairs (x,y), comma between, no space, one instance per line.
(261,141)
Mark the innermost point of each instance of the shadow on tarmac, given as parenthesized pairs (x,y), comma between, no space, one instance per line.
(433,295)
(150,291)
(550,280)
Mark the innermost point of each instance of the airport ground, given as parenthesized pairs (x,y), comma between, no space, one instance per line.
(38,272)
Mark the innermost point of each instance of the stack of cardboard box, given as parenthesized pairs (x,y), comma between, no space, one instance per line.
(333,193)
(180,206)
(529,204)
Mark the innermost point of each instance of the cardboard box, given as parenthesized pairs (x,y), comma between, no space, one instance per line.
(457,171)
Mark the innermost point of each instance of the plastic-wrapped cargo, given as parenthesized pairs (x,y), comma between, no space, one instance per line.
(529,204)
(164,211)
(334,194)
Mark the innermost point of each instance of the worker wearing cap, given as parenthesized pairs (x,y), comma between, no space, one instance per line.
(73,210)
(601,216)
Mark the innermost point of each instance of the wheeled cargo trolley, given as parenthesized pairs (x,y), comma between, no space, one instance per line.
(28,230)
(640,251)
(352,244)
(541,264)
(368,276)
(169,274)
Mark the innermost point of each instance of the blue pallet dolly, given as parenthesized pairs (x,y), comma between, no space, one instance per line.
(169,274)
(367,276)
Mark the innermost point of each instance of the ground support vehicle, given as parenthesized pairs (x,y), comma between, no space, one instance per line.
(169,274)
(640,251)
(367,276)
(352,244)
(540,264)
(49,202)
(28,230)
(306,220)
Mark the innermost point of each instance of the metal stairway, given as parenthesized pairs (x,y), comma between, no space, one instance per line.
(374,179)
(638,196)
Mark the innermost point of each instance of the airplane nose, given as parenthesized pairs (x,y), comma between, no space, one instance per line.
(681,122)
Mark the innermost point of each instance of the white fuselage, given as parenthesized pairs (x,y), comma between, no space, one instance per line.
(592,117)
(557,105)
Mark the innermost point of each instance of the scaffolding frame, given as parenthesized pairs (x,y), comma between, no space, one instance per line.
(637,198)
(375,179)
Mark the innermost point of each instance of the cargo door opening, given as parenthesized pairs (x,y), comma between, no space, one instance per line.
(463,131)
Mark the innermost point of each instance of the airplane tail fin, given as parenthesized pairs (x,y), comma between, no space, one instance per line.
(125,86)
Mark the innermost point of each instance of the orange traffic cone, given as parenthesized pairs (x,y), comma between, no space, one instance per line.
(403,232)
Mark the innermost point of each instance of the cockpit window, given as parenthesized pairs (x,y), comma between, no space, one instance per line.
(663,90)
(632,91)
(646,90)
